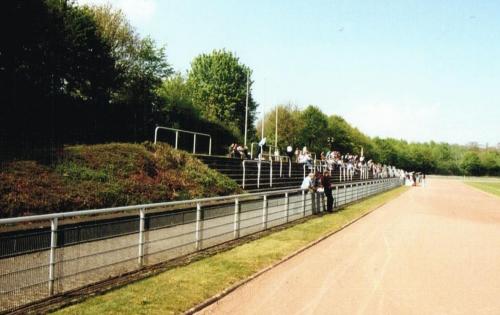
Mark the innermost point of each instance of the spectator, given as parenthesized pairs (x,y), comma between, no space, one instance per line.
(308,183)
(262,144)
(276,154)
(297,154)
(241,152)
(327,188)
(289,152)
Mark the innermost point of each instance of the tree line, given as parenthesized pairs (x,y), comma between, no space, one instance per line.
(82,74)
(74,74)
(312,128)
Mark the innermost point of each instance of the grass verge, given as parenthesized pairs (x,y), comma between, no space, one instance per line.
(490,187)
(179,289)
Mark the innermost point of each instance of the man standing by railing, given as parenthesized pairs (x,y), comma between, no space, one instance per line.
(326,182)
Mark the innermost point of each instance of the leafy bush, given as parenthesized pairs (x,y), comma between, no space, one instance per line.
(107,175)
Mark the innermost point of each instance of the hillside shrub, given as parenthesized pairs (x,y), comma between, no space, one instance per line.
(107,175)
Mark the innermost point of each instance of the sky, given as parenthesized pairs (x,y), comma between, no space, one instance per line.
(415,70)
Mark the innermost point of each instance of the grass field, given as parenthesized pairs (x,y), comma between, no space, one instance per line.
(179,289)
(491,187)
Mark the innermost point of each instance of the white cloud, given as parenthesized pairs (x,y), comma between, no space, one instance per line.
(139,12)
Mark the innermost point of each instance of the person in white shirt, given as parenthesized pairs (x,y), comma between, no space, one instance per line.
(308,182)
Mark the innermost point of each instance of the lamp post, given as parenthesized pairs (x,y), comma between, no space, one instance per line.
(246,108)
(276,130)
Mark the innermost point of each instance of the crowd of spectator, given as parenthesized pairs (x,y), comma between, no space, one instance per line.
(349,164)
(238,151)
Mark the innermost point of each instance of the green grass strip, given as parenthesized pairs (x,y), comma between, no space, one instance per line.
(490,187)
(177,290)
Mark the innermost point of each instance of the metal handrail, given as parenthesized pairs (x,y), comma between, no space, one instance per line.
(68,214)
(258,171)
(269,151)
(185,131)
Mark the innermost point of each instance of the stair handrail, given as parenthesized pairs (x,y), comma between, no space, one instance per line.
(194,133)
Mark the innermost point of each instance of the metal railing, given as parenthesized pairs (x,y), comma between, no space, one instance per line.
(269,153)
(71,255)
(259,168)
(176,144)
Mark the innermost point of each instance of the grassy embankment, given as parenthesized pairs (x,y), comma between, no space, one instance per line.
(99,176)
(492,187)
(179,289)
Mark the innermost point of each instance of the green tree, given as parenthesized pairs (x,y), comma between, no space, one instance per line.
(177,109)
(142,67)
(289,126)
(314,129)
(218,82)
(56,74)
(471,164)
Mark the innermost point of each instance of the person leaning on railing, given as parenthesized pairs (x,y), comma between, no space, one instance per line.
(308,183)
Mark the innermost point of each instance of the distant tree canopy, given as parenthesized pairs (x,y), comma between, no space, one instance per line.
(310,127)
(218,83)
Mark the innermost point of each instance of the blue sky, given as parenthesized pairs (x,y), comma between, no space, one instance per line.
(417,70)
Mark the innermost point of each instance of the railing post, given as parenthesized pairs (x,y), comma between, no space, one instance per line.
(236,229)
(264,212)
(140,257)
(336,196)
(345,194)
(350,195)
(194,143)
(271,173)
(258,172)
(287,207)
(52,255)
(281,168)
(303,203)
(244,174)
(176,139)
(210,146)
(198,226)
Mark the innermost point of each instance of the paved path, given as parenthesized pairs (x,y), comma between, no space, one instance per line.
(433,250)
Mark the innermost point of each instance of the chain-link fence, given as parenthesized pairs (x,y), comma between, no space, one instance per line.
(46,255)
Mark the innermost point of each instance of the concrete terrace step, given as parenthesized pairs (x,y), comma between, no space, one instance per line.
(233,168)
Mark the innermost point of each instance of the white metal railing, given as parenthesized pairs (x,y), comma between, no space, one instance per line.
(259,168)
(270,151)
(50,270)
(177,131)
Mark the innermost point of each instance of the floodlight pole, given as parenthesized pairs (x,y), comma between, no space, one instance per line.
(246,108)
(263,120)
(276,131)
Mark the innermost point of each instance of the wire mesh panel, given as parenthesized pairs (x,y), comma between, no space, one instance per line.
(80,263)
(251,216)
(169,235)
(218,223)
(24,277)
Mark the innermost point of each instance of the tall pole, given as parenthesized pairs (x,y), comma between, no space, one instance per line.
(276,131)
(246,107)
(263,119)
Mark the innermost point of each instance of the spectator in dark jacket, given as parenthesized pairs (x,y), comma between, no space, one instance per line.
(326,182)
